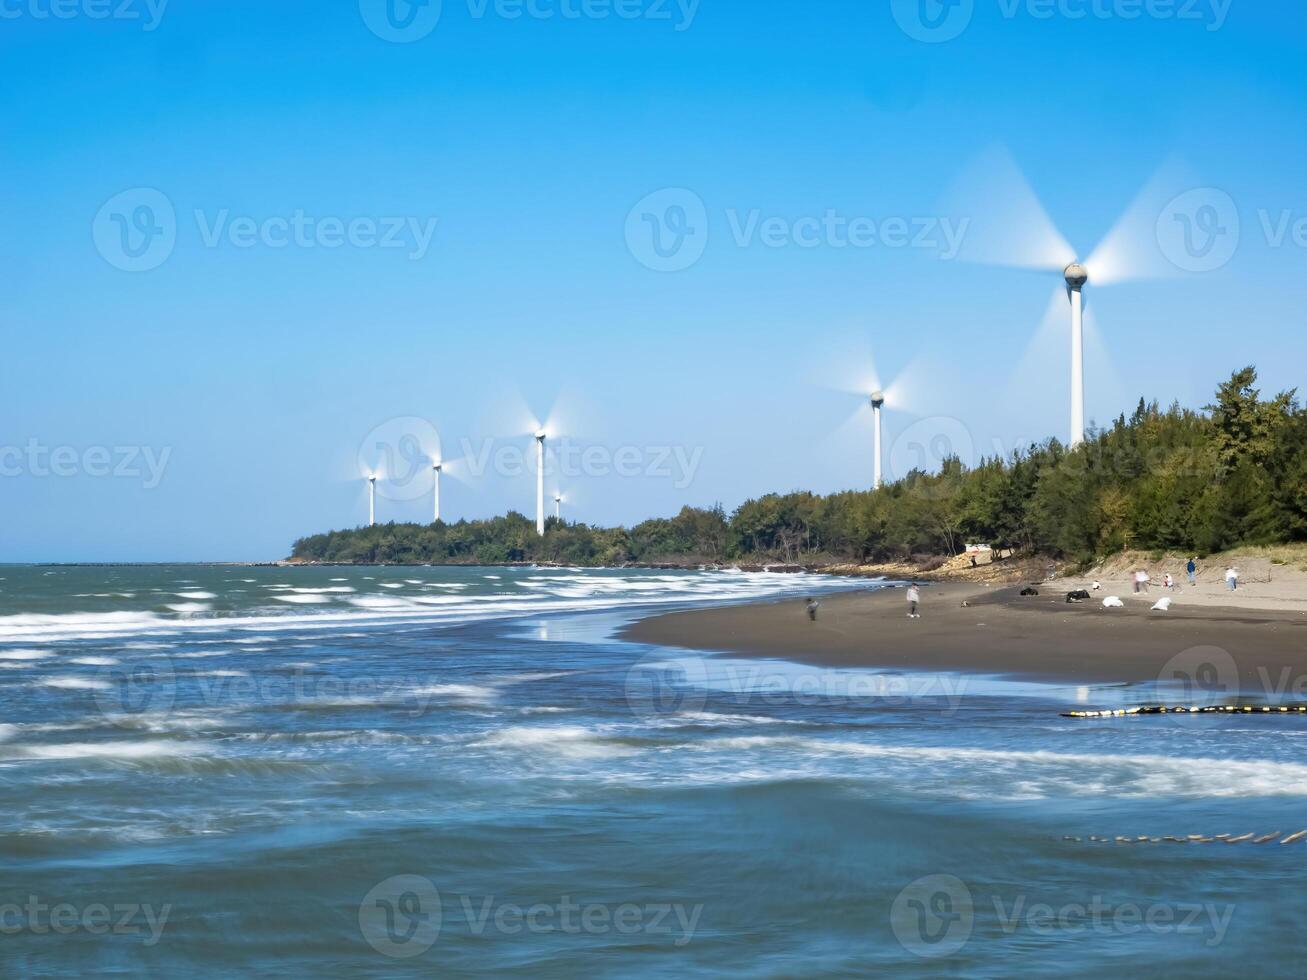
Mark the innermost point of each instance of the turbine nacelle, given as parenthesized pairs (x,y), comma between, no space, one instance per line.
(1076,275)
(540,435)
(878,399)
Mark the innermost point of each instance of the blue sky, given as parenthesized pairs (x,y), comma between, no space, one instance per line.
(236,384)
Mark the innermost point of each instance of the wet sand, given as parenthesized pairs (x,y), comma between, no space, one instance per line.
(999,633)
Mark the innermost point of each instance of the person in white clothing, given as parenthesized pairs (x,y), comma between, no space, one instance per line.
(914,600)
(1232,578)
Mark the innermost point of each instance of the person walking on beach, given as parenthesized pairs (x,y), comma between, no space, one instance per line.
(813,606)
(1232,578)
(1168,582)
(914,599)
(1192,569)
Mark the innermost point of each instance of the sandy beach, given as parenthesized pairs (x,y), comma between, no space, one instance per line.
(1000,632)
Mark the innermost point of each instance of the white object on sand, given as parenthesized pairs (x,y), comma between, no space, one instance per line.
(1162,605)
(1096,586)
(1113,602)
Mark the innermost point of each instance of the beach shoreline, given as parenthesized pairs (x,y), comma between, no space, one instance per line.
(993,630)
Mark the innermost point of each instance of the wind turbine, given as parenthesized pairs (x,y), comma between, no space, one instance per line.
(372,500)
(1010,227)
(558,506)
(856,376)
(877,404)
(436,467)
(540,481)
(1076,276)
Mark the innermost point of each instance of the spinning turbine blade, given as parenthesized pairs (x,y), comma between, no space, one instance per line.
(1008,226)
(1109,393)
(854,373)
(1039,378)
(1130,250)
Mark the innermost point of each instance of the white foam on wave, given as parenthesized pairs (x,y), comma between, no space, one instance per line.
(974,773)
(309,599)
(153,749)
(75,683)
(379,602)
(44,626)
(95,661)
(189,607)
(542,675)
(567,741)
(713,718)
(462,692)
(620,592)
(25,655)
(195,595)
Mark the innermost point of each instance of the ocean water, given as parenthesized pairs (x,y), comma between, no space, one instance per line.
(367,772)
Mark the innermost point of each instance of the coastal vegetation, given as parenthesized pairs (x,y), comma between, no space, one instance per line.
(1160,479)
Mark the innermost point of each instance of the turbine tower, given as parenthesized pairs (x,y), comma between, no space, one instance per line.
(877,404)
(1076,277)
(435,484)
(372,501)
(540,482)
(558,506)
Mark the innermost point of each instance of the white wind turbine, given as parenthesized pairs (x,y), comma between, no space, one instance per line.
(1010,227)
(436,468)
(857,377)
(540,437)
(372,500)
